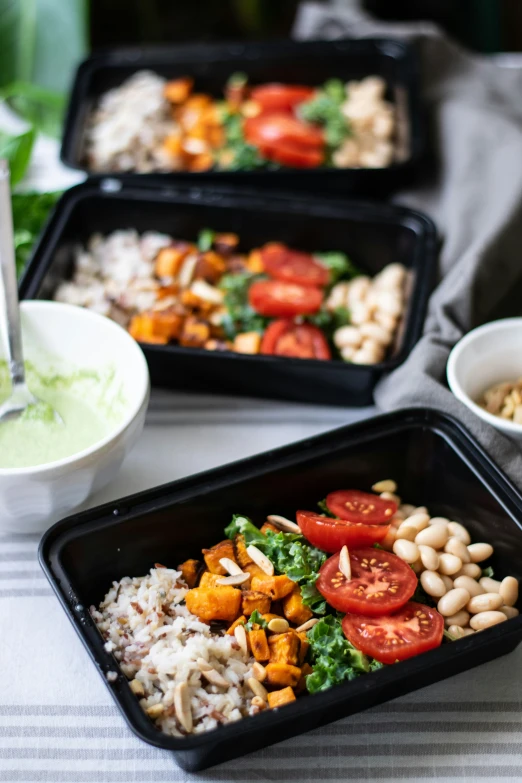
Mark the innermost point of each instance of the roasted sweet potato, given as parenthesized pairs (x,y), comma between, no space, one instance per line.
(226,243)
(282,674)
(247,342)
(303,647)
(259,644)
(294,609)
(209,579)
(141,328)
(195,333)
(213,556)
(210,266)
(202,162)
(189,571)
(169,259)
(253,569)
(241,620)
(242,556)
(172,144)
(284,647)
(274,586)
(278,698)
(254,600)
(306,669)
(269,526)
(255,262)
(178,90)
(214,603)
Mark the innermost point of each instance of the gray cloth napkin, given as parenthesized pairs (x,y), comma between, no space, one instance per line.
(474,112)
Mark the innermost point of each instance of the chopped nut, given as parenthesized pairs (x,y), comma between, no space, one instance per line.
(137,687)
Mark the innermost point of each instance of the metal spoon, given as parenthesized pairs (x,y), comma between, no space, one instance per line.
(20,397)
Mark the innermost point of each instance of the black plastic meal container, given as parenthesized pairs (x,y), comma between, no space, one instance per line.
(430,455)
(372,234)
(304,62)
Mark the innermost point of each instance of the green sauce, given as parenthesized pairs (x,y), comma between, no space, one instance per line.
(84,399)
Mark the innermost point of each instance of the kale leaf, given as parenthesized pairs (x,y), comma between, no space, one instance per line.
(240,317)
(256,618)
(339,264)
(333,657)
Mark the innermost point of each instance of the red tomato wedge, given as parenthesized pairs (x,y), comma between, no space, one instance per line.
(286,338)
(274,298)
(356,506)
(290,154)
(332,534)
(281,97)
(413,629)
(381,582)
(293,266)
(279,127)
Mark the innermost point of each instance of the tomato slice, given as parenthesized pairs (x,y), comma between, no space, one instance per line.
(293,266)
(279,127)
(281,97)
(381,582)
(413,629)
(286,338)
(290,154)
(356,506)
(274,298)
(332,534)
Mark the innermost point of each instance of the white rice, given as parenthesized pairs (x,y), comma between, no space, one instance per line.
(157,641)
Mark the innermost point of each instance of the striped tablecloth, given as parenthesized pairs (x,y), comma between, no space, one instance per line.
(58,723)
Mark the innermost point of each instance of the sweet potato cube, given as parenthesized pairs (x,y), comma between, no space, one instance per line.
(306,669)
(214,603)
(172,145)
(281,697)
(284,647)
(303,647)
(242,556)
(269,526)
(247,342)
(226,243)
(141,328)
(241,620)
(259,644)
(169,260)
(254,600)
(274,586)
(210,266)
(282,674)
(189,571)
(202,162)
(195,333)
(253,569)
(213,556)
(255,262)
(209,580)
(294,609)
(178,90)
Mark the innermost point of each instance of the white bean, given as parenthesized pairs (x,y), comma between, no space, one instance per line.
(448,581)
(347,336)
(487,602)
(419,510)
(406,532)
(439,521)
(406,550)
(418,521)
(457,547)
(460,618)
(459,531)
(388,302)
(434,536)
(490,585)
(469,584)
(407,509)
(460,633)
(509,590)
(360,313)
(486,619)
(509,611)
(429,557)
(397,519)
(348,352)
(387,321)
(376,332)
(363,356)
(454,600)
(432,583)
(470,569)
(386,485)
(480,552)
(390,496)
(449,564)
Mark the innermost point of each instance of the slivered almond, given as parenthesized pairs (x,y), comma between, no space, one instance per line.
(137,687)
(283,523)
(230,566)
(215,678)
(260,559)
(155,710)
(388,485)
(278,625)
(237,579)
(203,665)
(257,689)
(344,563)
(306,626)
(259,671)
(182,706)
(241,638)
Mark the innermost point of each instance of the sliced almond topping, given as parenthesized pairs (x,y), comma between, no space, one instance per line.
(306,626)
(182,705)
(241,638)
(283,523)
(137,687)
(388,485)
(259,671)
(237,579)
(260,559)
(257,689)
(278,625)
(229,565)
(155,710)
(215,678)
(344,563)
(203,665)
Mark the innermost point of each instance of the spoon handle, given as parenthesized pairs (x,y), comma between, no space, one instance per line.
(8,280)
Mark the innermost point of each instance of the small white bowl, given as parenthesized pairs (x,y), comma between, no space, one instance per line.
(65,338)
(486,356)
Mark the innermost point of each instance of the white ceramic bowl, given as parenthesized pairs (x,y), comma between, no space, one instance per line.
(487,355)
(64,338)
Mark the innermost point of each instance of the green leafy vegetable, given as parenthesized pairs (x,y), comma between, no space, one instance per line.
(256,618)
(237,154)
(488,572)
(324,508)
(30,211)
(449,636)
(333,658)
(325,109)
(206,239)
(290,554)
(17,149)
(240,316)
(335,89)
(237,79)
(339,264)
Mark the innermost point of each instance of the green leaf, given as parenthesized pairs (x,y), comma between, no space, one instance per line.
(206,239)
(339,265)
(42,41)
(42,108)
(17,150)
(240,316)
(241,525)
(324,508)
(256,618)
(488,572)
